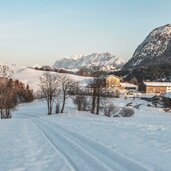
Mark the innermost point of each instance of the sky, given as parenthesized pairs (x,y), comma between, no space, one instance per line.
(43,31)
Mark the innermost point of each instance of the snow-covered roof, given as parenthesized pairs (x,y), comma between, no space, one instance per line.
(165,84)
(128,85)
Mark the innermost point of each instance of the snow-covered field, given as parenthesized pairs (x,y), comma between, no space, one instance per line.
(79,141)
(32,77)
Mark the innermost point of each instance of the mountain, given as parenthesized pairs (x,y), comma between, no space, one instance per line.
(154,50)
(109,61)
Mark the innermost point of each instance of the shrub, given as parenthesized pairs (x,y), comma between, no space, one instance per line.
(125,112)
(114,111)
(81,102)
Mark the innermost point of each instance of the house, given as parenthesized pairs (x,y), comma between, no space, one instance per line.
(116,83)
(112,85)
(113,81)
(155,87)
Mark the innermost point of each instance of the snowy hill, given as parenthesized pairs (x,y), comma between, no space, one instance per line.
(109,61)
(31,76)
(155,49)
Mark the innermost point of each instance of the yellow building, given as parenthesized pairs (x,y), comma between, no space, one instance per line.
(113,81)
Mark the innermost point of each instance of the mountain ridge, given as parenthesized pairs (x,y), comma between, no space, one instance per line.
(155,49)
(107,60)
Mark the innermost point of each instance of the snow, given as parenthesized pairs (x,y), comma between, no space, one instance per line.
(36,66)
(31,140)
(166,84)
(32,77)
(154,45)
(23,147)
(109,61)
(168,94)
(128,85)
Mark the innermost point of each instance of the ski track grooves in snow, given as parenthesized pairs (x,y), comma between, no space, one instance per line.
(65,158)
(82,159)
(93,156)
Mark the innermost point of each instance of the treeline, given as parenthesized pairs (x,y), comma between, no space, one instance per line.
(12,92)
(160,72)
(83,71)
(48,68)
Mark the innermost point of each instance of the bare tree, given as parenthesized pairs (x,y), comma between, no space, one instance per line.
(64,87)
(6,72)
(12,92)
(96,85)
(7,93)
(49,85)
(8,99)
(80,100)
(3,95)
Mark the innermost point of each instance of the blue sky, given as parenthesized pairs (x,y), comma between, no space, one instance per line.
(42,31)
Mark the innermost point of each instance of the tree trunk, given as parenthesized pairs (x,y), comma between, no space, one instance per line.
(48,103)
(93,101)
(7,111)
(63,104)
(50,107)
(1,113)
(98,101)
(47,100)
(57,109)
(79,103)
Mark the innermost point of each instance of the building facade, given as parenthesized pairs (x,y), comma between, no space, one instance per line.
(155,87)
(113,81)
(116,83)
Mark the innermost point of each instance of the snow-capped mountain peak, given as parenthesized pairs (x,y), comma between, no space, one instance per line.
(157,45)
(106,60)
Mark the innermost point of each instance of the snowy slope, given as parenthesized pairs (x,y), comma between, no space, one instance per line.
(24,147)
(155,47)
(32,77)
(81,141)
(107,60)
